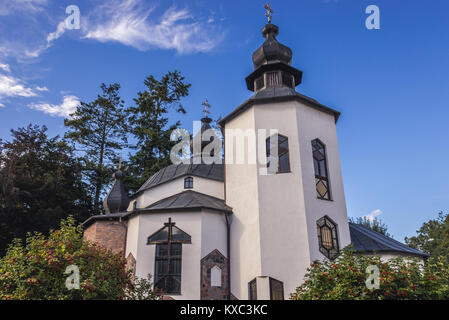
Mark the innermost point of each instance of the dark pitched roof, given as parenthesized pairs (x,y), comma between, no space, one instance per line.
(189,200)
(208,171)
(367,240)
(110,216)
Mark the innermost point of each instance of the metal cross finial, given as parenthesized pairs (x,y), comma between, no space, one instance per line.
(120,164)
(206,108)
(269,12)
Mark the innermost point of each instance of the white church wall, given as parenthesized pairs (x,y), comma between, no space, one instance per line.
(208,232)
(313,124)
(189,222)
(283,224)
(273,231)
(206,186)
(213,230)
(132,240)
(242,195)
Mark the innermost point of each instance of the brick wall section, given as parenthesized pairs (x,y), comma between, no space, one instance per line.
(215,258)
(107,233)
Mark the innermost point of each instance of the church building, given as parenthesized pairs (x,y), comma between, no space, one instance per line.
(228,230)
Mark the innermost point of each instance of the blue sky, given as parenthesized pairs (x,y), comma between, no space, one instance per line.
(391,85)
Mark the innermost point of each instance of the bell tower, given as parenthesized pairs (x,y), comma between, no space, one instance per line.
(287,218)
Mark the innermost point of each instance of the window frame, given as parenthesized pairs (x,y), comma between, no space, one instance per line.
(268,149)
(169,242)
(271,280)
(326,222)
(188,182)
(319,177)
(250,292)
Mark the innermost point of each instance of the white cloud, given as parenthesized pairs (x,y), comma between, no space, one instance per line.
(5,67)
(373,214)
(68,106)
(44,88)
(1,105)
(128,23)
(13,87)
(7,7)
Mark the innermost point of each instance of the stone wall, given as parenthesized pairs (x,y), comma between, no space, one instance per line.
(208,292)
(110,234)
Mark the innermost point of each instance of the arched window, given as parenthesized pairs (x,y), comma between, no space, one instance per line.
(283,161)
(188,183)
(321,172)
(327,237)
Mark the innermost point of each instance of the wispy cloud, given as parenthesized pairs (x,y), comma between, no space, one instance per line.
(8,7)
(129,23)
(373,214)
(5,67)
(67,107)
(13,87)
(44,88)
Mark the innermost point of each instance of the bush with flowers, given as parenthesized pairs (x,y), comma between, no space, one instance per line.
(37,269)
(345,277)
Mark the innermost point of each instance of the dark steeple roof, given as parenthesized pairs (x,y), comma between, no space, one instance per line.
(117,199)
(271,50)
(370,241)
(272,64)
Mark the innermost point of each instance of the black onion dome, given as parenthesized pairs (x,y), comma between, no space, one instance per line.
(271,50)
(117,199)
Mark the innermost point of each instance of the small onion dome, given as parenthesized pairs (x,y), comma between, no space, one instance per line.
(271,50)
(198,138)
(117,199)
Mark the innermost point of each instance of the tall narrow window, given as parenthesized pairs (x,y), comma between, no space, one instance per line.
(327,237)
(252,288)
(276,289)
(188,183)
(167,269)
(321,173)
(283,161)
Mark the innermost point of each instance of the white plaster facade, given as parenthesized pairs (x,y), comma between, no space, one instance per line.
(274,226)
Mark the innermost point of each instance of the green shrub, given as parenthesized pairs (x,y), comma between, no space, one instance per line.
(36,270)
(345,279)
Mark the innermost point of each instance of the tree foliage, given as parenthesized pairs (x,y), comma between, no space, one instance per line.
(345,279)
(373,224)
(37,269)
(433,237)
(40,183)
(150,126)
(99,131)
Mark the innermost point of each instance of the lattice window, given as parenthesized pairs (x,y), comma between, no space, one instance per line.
(327,237)
(273,78)
(276,289)
(321,172)
(283,161)
(168,258)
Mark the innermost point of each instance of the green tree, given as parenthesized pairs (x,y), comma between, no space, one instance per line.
(99,130)
(374,224)
(345,279)
(40,183)
(433,237)
(149,124)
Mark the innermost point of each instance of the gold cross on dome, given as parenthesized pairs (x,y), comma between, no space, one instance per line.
(269,12)
(206,108)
